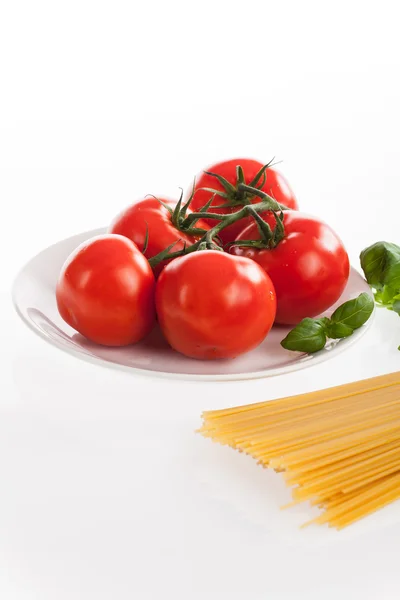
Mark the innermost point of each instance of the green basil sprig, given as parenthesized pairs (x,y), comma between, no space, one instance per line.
(310,335)
(381,265)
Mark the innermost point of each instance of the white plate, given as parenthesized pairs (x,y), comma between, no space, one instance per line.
(34,299)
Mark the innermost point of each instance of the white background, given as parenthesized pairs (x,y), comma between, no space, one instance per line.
(105,492)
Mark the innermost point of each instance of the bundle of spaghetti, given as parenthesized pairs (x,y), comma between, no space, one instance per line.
(338,448)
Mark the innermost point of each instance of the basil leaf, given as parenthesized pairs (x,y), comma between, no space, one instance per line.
(354,313)
(338,330)
(308,336)
(381,265)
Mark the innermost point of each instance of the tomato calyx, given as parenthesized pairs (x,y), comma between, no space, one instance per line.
(179,216)
(269,238)
(238,195)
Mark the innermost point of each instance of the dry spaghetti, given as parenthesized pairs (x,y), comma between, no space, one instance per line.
(338,448)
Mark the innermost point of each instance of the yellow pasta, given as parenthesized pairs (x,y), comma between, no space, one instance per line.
(339,449)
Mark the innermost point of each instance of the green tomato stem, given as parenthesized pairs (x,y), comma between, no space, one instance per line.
(207,241)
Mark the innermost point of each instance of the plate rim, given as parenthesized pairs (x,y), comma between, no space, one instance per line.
(317,358)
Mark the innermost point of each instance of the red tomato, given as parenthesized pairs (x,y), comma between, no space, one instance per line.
(214,305)
(309,267)
(106,291)
(275,185)
(150,213)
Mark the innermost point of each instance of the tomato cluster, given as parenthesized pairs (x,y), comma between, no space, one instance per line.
(216,269)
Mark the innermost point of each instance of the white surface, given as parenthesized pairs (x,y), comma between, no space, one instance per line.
(106,493)
(35,301)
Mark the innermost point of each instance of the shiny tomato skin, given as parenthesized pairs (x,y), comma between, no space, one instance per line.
(150,213)
(275,186)
(105,291)
(309,267)
(213,305)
